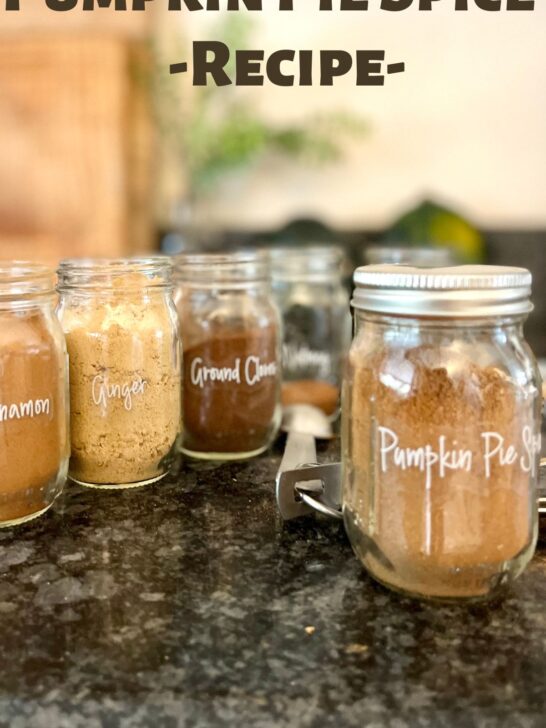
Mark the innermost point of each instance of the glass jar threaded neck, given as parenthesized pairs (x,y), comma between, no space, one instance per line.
(238,270)
(103,274)
(22,281)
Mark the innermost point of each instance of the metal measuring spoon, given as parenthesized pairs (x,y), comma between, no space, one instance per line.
(302,485)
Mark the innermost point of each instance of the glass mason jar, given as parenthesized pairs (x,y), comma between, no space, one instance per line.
(231,333)
(314,303)
(125,369)
(441,429)
(34,446)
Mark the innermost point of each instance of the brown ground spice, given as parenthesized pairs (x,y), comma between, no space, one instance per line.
(33,417)
(235,413)
(449,540)
(316,393)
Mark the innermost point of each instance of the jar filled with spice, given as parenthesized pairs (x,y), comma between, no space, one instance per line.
(34,445)
(231,335)
(125,369)
(314,303)
(441,429)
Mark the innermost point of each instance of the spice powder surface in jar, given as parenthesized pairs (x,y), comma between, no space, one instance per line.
(230,330)
(33,398)
(441,429)
(125,369)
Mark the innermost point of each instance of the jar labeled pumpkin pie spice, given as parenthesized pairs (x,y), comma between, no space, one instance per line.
(125,369)
(231,335)
(441,429)
(34,445)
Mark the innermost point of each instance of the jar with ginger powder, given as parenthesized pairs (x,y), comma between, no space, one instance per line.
(441,429)
(33,394)
(125,369)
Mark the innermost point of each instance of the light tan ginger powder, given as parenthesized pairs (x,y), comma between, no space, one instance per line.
(125,390)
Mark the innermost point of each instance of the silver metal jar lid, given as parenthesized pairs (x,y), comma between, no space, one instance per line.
(467,291)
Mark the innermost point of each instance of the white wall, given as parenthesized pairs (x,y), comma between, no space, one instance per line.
(466,123)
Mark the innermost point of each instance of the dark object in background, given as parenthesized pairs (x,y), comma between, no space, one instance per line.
(304,231)
(526,249)
(437,226)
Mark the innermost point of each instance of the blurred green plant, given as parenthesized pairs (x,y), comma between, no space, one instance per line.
(215,131)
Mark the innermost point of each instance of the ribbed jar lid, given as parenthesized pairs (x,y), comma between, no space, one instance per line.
(467,291)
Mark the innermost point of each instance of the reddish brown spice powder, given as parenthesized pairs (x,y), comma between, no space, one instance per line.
(33,419)
(452,539)
(231,391)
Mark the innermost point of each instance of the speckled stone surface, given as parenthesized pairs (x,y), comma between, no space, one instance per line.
(189,603)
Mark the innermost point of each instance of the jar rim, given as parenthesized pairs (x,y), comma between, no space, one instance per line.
(148,262)
(306,262)
(91,273)
(221,258)
(22,278)
(239,268)
(460,291)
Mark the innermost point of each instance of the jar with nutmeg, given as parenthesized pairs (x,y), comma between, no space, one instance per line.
(309,289)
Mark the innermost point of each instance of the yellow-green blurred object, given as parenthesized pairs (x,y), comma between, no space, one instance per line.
(432,224)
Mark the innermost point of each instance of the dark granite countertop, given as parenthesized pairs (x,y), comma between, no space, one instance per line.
(188,603)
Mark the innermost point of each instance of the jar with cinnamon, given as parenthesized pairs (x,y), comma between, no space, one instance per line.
(125,369)
(441,429)
(314,303)
(34,444)
(231,335)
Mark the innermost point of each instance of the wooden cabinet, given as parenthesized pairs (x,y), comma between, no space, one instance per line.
(76,145)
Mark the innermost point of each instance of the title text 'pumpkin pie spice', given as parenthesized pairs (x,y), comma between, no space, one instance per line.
(441,429)
(125,370)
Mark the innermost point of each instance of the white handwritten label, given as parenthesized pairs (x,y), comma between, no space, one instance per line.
(103,390)
(22,410)
(301,358)
(442,457)
(251,372)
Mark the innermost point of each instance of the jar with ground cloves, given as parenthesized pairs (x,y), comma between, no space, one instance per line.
(441,429)
(314,303)
(231,334)
(125,369)
(34,445)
